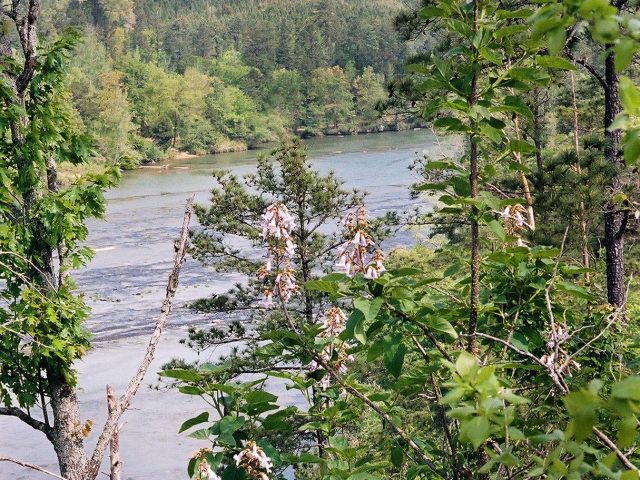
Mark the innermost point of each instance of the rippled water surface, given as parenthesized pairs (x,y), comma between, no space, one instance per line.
(134,246)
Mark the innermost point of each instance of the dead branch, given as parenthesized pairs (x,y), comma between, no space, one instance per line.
(114,442)
(31,466)
(93,465)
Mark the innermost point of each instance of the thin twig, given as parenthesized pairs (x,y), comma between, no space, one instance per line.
(31,466)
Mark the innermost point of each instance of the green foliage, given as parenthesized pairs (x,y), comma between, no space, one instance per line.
(503,362)
(41,319)
(204,77)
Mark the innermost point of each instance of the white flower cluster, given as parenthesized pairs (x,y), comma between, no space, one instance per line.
(352,255)
(277,228)
(204,469)
(514,221)
(206,473)
(335,322)
(557,337)
(557,357)
(254,462)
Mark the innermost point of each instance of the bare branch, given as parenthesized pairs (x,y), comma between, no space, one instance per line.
(26,418)
(614,448)
(590,68)
(93,465)
(31,466)
(114,443)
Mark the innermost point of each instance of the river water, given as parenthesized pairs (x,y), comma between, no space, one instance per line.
(125,284)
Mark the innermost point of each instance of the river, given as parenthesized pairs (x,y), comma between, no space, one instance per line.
(125,284)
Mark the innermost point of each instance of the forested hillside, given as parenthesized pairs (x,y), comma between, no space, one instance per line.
(212,75)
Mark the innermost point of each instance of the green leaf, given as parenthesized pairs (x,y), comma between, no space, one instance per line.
(492,55)
(582,406)
(355,326)
(556,38)
(452,124)
(202,434)
(466,364)
(625,50)
(191,467)
(509,30)
(394,352)
(442,326)
(629,95)
(627,389)
(322,286)
(522,13)
(627,431)
(491,132)
(632,146)
(574,289)
(630,475)
(190,390)
(461,186)
(259,396)
(431,12)
(279,421)
(451,270)
(476,430)
(521,146)
(559,63)
(203,417)
(397,457)
(181,374)
(515,105)
(497,228)
(370,308)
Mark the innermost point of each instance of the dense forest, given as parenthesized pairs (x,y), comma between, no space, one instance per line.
(211,76)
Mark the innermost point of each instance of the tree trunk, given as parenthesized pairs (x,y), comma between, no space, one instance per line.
(584,225)
(472,346)
(66,437)
(537,140)
(614,218)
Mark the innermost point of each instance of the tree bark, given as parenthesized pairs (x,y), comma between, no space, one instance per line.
(114,443)
(472,346)
(66,435)
(614,218)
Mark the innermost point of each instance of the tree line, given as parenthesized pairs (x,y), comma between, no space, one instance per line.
(203,77)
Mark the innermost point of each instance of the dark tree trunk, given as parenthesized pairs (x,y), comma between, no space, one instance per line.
(614,217)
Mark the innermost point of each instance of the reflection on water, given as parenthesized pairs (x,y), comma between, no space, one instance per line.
(134,247)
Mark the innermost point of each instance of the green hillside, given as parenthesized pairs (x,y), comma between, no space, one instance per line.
(206,76)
